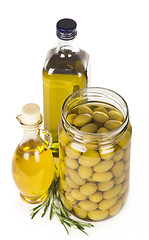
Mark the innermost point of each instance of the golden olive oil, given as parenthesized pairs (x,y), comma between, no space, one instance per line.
(56,88)
(33,170)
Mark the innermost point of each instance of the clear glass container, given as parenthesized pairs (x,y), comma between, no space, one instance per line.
(64,72)
(94,141)
(33,164)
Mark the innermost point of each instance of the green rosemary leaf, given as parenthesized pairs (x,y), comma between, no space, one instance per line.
(55,206)
(62,209)
(63,212)
(65,227)
(51,211)
(82,230)
(35,208)
(79,227)
(46,207)
(68,224)
(34,213)
(62,222)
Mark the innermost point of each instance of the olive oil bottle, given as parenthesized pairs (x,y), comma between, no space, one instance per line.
(64,72)
(33,164)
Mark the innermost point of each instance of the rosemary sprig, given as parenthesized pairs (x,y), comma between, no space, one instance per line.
(56,207)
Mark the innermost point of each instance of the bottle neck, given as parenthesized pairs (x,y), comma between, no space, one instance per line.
(67,45)
(30,134)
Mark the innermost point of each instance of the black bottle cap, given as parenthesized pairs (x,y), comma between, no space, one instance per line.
(66,29)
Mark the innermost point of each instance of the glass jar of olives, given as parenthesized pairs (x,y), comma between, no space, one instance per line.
(94,152)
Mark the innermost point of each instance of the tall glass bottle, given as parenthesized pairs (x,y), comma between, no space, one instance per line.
(64,72)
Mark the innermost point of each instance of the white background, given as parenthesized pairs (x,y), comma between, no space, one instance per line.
(116,34)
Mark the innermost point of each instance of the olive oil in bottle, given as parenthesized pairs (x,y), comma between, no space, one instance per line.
(33,164)
(64,72)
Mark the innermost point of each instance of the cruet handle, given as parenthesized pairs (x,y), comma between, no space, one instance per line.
(47,137)
(18,117)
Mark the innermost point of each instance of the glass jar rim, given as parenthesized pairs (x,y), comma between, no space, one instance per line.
(97,136)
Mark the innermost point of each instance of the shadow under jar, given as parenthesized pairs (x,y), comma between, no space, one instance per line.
(94,137)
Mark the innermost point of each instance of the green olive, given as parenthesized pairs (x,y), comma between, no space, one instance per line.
(102,177)
(116,208)
(89,158)
(91,146)
(69,197)
(85,172)
(78,195)
(125,141)
(118,153)
(115,115)
(113,192)
(127,166)
(112,124)
(107,203)
(80,212)
(71,117)
(120,179)
(100,117)
(64,185)
(90,128)
(88,189)
(71,163)
(90,179)
(64,140)
(85,109)
(105,186)
(82,119)
(71,183)
(87,205)
(126,155)
(118,168)
(71,150)
(100,109)
(97,215)
(75,177)
(106,152)
(99,125)
(102,130)
(66,203)
(103,166)
(125,186)
(96,197)
(124,197)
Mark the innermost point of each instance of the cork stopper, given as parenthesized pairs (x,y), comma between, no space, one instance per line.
(30,114)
